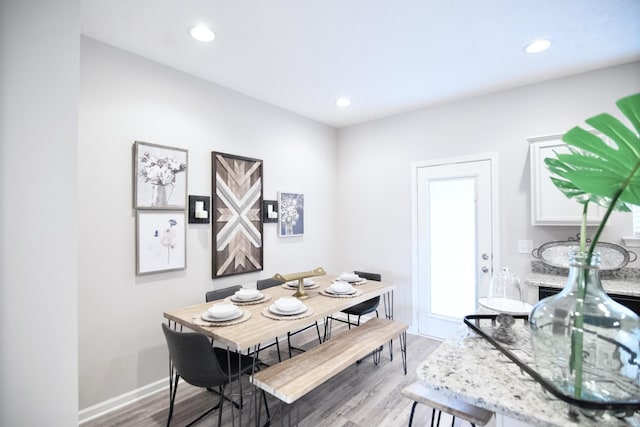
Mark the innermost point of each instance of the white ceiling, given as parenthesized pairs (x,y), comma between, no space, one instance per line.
(388,56)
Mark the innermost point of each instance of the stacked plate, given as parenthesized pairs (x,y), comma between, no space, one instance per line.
(247,295)
(349,277)
(340,287)
(307,283)
(287,306)
(222,312)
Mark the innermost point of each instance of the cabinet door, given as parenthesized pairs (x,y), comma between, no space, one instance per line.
(549,206)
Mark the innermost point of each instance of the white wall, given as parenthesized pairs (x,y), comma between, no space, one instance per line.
(374,167)
(124,98)
(38,232)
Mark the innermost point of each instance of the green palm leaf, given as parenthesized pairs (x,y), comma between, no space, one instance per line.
(595,171)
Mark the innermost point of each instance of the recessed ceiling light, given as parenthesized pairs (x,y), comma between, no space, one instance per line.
(343,102)
(537,46)
(202,33)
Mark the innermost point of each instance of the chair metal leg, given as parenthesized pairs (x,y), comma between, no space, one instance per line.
(220,405)
(433,416)
(318,330)
(172,397)
(413,410)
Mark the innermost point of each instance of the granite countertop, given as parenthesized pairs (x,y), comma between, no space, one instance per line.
(620,287)
(625,281)
(468,368)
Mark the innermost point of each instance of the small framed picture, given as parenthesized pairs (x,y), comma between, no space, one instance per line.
(159,176)
(161,243)
(269,211)
(291,213)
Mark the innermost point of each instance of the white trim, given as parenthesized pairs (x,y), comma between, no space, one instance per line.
(125,399)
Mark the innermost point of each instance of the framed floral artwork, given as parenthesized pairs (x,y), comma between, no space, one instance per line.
(236,216)
(161,243)
(291,214)
(160,176)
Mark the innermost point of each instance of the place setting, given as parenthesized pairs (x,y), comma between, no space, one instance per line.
(287,308)
(340,289)
(350,277)
(308,283)
(222,314)
(248,297)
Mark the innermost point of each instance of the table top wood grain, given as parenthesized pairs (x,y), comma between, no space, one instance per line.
(259,329)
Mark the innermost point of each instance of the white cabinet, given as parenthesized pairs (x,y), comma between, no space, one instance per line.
(549,206)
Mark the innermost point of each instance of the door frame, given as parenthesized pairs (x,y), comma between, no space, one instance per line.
(495,222)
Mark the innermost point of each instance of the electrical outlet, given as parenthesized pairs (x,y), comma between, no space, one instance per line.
(525,246)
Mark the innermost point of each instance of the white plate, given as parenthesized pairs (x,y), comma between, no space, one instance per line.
(331,291)
(206,316)
(239,299)
(505,305)
(276,310)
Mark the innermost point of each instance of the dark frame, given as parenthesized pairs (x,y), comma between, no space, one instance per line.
(269,206)
(206,201)
(236,217)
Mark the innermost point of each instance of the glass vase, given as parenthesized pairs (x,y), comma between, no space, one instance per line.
(585,343)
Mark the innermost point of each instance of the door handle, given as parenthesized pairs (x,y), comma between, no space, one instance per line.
(485,257)
(485,269)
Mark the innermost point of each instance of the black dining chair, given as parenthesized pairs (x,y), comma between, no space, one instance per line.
(269,283)
(221,293)
(358,310)
(198,363)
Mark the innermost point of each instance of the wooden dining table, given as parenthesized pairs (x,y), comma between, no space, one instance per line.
(261,327)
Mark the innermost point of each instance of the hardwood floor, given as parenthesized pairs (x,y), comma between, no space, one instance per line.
(363,395)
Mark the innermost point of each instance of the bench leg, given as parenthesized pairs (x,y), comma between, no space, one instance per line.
(403,350)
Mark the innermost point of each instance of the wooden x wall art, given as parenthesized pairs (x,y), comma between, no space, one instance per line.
(236,215)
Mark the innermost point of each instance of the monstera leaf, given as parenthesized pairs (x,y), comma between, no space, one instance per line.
(594,171)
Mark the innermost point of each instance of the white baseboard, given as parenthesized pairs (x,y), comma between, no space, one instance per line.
(132,396)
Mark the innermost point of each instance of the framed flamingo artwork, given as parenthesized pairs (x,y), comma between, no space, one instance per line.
(160,241)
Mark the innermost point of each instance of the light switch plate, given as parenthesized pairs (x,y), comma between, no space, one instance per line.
(525,246)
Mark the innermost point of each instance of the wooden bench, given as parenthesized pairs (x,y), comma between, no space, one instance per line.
(295,377)
(421,394)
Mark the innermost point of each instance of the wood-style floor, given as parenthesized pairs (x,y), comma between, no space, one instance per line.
(363,395)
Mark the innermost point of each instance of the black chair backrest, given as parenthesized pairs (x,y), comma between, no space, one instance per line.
(193,358)
(221,293)
(369,276)
(267,283)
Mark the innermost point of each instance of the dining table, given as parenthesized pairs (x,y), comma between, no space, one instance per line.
(258,324)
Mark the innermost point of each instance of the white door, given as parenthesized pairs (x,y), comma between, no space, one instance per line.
(454,232)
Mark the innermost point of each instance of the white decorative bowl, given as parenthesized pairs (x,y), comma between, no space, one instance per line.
(247,294)
(341,287)
(288,304)
(349,277)
(222,310)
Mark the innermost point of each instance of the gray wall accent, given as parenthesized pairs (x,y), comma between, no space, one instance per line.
(39,56)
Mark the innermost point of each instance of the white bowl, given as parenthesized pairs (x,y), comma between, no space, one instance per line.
(308,281)
(341,287)
(349,277)
(222,310)
(288,304)
(247,294)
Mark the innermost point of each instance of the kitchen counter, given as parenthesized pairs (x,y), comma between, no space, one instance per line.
(611,286)
(468,368)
